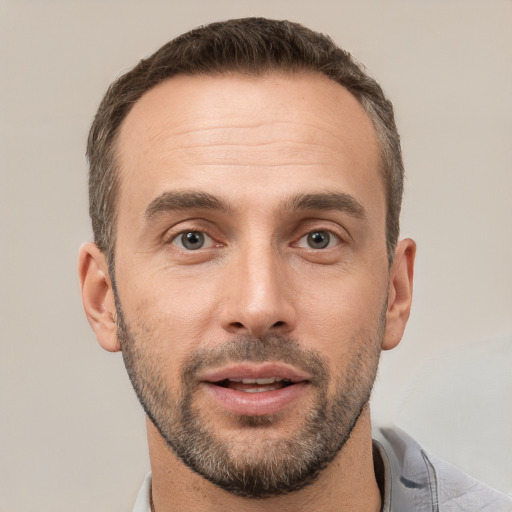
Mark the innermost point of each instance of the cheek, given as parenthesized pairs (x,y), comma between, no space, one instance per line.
(170,320)
(343,318)
(345,301)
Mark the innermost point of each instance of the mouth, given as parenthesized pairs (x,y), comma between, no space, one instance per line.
(255,390)
(254,385)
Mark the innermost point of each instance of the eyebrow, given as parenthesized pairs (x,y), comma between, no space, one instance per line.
(330,201)
(181,201)
(185,200)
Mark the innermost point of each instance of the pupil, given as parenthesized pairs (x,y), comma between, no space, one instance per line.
(319,239)
(192,240)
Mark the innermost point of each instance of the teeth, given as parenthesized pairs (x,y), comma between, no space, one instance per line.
(260,382)
(258,390)
(255,385)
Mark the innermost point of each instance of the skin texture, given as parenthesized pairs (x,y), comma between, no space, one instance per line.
(258,146)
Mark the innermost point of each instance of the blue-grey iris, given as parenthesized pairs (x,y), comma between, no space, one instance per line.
(319,239)
(192,240)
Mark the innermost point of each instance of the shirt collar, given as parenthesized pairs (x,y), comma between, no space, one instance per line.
(409,479)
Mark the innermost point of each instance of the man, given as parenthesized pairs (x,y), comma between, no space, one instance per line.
(245,191)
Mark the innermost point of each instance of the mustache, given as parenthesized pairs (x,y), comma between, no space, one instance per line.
(246,348)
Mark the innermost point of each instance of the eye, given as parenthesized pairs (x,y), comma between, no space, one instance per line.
(318,240)
(192,240)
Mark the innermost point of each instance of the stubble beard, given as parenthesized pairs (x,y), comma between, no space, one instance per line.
(278,466)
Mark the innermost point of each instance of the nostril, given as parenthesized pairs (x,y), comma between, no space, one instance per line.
(240,325)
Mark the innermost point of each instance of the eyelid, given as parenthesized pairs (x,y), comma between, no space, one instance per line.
(313,225)
(208,240)
(334,237)
(191,225)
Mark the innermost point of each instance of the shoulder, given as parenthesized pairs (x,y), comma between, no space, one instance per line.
(415,480)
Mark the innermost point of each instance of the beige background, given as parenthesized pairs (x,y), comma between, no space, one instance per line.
(71,431)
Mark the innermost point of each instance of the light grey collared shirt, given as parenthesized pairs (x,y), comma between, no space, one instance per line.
(410,480)
(414,481)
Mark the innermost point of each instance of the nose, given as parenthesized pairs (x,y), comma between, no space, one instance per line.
(258,297)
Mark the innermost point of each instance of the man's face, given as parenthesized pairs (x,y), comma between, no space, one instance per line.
(251,272)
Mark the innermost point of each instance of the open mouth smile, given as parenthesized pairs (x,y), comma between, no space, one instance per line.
(255,390)
(254,385)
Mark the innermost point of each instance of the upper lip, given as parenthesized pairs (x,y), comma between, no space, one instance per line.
(255,371)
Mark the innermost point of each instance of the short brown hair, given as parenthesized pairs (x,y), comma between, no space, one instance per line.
(251,46)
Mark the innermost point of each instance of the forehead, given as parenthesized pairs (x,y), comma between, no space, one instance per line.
(237,130)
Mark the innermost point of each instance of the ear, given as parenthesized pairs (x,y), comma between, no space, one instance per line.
(98,296)
(399,293)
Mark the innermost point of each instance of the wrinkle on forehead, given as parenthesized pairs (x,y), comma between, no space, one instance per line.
(196,131)
(219,111)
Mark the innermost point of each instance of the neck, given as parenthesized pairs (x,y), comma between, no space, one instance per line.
(347,484)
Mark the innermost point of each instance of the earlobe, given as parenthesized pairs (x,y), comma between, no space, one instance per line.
(97,296)
(399,293)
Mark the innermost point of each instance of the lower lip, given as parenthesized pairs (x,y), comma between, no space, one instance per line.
(255,404)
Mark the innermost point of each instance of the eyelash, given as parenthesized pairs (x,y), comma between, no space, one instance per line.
(331,237)
(333,240)
(179,237)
